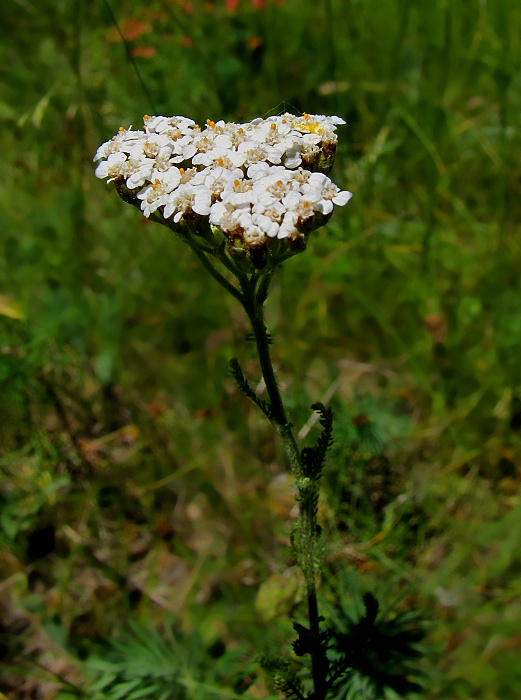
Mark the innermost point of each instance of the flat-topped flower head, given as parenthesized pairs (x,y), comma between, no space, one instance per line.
(258,182)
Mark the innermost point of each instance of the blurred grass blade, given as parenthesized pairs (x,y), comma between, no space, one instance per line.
(10,307)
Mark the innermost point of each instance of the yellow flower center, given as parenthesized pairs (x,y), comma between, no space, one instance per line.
(310,127)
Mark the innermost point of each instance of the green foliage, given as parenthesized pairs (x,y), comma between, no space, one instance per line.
(285,676)
(22,506)
(367,653)
(142,663)
(382,650)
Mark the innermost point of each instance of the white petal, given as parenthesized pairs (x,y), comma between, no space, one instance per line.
(342,198)
(201,203)
(325,206)
(102,170)
(289,224)
(293,159)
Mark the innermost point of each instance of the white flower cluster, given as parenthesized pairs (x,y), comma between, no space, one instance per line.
(255,181)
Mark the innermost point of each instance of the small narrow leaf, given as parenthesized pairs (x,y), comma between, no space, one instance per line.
(313,458)
(242,383)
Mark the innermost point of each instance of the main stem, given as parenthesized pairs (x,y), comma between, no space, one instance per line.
(307,524)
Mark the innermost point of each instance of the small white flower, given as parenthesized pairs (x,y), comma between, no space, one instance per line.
(152,195)
(291,200)
(160,125)
(230,220)
(218,211)
(266,224)
(124,141)
(187,199)
(256,171)
(105,150)
(315,183)
(253,236)
(292,157)
(304,209)
(217,179)
(112,168)
(273,129)
(191,175)
(320,188)
(184,149)
(141,171)
(239,133)
(208,140)
(238,193)
(316,123)
(300,176)
(289,225)
(220,157)
(258,150)
(277,186)
(273,209)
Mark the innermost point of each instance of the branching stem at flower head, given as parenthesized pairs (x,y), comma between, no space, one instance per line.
(217,275)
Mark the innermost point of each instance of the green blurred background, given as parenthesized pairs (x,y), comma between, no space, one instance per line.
(135,480)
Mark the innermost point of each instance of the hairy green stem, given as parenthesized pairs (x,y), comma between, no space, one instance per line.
(254,296)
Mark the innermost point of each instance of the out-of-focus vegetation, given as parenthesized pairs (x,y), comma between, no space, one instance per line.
(138,489)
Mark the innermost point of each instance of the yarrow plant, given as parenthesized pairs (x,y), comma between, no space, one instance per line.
(245,197)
